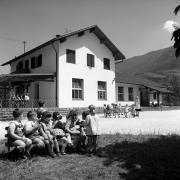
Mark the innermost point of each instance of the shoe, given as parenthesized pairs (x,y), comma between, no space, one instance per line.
(63,153)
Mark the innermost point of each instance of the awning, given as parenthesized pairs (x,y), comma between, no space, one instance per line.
(162,90)
(5,79)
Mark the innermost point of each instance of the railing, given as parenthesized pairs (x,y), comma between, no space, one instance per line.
(33,103)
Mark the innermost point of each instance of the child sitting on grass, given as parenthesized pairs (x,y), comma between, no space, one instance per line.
(91,125)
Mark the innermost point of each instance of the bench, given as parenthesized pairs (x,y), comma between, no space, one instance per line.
(7,143)
(13,151)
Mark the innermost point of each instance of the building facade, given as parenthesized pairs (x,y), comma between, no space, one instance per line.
(73,70)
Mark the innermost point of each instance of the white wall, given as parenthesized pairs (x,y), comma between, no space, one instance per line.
(88,43)
(126,101)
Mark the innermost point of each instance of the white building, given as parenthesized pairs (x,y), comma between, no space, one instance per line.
(128,87)
(72,70)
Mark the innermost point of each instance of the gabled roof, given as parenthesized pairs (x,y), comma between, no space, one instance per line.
(128,78)
(94,29)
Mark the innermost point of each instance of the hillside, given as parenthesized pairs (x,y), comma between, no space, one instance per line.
(157,66)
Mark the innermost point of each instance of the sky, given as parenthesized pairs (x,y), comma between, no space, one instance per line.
(134,26)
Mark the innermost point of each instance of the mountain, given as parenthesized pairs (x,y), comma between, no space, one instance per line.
(157,66)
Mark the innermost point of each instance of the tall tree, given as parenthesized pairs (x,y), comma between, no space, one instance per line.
(176,35)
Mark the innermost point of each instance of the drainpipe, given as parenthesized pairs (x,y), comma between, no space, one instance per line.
(57,73)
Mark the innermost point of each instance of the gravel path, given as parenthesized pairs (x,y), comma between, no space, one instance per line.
(158,122)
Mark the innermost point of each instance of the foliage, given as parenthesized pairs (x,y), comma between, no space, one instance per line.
(176,35)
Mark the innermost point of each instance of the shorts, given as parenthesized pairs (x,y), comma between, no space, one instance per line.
(138,109)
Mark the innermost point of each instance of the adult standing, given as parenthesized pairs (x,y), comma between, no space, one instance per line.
(137,106)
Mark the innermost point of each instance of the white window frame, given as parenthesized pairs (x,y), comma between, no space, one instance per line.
(77,89)
(102,92)
(121,93)
(130,94)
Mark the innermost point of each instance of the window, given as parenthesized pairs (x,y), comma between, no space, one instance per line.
(77,89)
(130,94)
(19,66)
(90,60)
(106,63)
(154,95)
(33,62)
(120,93)
(102,94)
(70,56)
(39,60)
(27,64)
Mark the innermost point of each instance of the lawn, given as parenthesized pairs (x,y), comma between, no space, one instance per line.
(119,156)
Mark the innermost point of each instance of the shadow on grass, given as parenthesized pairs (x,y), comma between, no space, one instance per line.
(155,159)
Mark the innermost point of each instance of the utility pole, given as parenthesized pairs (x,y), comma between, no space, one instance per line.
(24,42)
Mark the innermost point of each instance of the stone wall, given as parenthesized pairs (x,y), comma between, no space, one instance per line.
(6,113)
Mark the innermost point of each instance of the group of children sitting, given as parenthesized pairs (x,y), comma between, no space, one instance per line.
(117,109)
(44,130)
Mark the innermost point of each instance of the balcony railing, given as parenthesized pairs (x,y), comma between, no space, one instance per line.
(33,103)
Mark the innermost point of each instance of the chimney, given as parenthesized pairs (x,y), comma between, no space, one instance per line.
(58,35)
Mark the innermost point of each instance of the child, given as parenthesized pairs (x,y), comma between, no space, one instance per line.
(104,110)
(91,125)
(82,129)
(16,134)
(41,109)
(46,132)
(31,129)
(120,112)
(133,110)
(126,110)
(59,131)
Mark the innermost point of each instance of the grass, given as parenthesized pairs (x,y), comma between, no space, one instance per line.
(130,157)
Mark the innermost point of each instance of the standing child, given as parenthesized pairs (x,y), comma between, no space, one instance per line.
(126,110)
(82,128)
(91,125)
(133,110)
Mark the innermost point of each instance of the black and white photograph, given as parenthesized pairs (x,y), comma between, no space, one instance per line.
(89,90)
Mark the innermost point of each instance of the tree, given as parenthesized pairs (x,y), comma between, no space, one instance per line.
(177,9)
(176,35)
